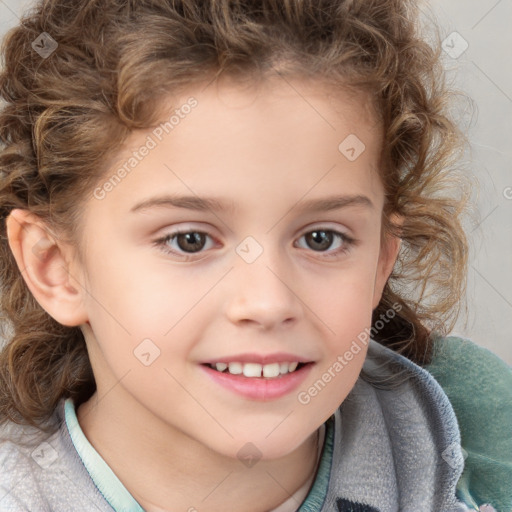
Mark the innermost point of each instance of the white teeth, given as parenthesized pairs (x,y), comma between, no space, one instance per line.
(252,370)
(235,368)
(271,370)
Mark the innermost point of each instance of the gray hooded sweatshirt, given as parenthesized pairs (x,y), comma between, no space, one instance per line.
(392,445)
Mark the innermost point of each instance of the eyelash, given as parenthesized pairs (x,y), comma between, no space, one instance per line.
(348,242)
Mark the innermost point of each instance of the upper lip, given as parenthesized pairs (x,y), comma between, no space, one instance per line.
(278,357)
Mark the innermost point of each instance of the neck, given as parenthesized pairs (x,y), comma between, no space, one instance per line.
(160,465)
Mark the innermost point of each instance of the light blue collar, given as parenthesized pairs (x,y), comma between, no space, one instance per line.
(103,477)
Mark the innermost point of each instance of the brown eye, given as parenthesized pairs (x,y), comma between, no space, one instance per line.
(323,241)
(182,243)
(319,240)
(190,242)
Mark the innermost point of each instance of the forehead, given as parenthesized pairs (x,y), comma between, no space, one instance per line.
(323,98)
(280,138)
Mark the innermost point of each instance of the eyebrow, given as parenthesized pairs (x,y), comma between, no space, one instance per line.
(218,205)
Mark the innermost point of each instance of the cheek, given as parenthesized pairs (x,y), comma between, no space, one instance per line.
(344,301)
(142,314)
(136,297)
(347,320)
(345,310)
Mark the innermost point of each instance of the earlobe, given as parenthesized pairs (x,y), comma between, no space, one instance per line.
(44,264)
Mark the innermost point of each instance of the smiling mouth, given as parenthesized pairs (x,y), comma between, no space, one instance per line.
(256,370)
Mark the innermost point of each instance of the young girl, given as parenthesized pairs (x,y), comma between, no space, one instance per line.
(231,255)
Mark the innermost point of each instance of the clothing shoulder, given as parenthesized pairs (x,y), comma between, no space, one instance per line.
(40,471)
(391,442)
(18,477)
(479,386)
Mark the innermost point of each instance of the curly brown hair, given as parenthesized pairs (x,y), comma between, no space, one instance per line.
(65,115)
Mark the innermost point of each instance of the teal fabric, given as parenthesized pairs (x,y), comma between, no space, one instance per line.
(316,496)
(479,387)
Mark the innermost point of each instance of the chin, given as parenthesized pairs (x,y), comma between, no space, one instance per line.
(266,447)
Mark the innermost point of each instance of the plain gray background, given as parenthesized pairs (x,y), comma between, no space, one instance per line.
(478,63)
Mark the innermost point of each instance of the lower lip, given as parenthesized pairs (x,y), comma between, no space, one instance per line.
(260,388)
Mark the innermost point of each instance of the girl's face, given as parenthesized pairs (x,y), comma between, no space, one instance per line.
(277,196)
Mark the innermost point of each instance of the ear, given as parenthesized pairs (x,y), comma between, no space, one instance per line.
(387,258)
(44,262)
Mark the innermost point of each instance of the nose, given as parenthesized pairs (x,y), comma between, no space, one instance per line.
(262,293)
